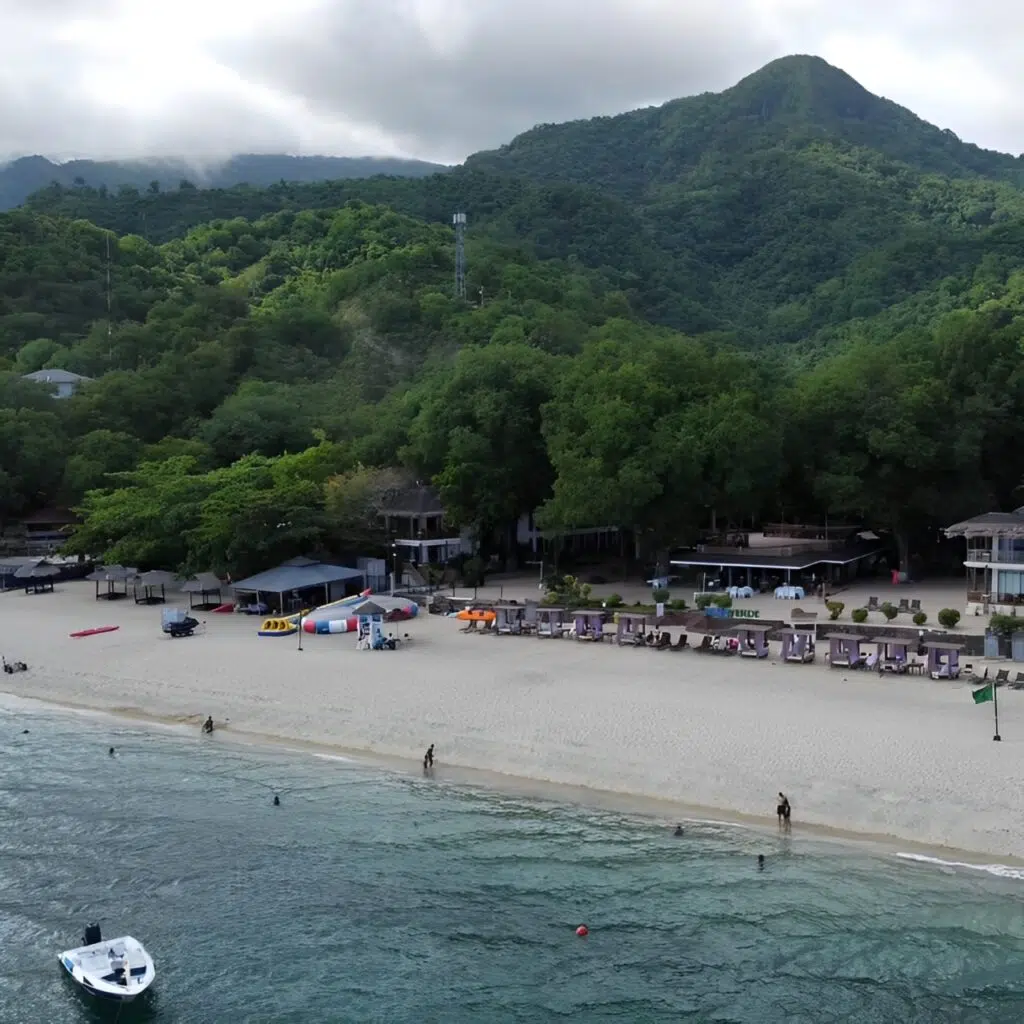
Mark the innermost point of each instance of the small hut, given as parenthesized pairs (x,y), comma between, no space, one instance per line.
(630,628)
(207,587)
(112,581)
(797,645)
(589,624)
(892,655)
(844,650)
(943,659)
(753,638)
(151,587)
(550,622)
(509,619)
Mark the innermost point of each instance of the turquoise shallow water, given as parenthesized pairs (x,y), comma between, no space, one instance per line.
(368,896)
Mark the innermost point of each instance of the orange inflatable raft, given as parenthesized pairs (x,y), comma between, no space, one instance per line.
(476,615)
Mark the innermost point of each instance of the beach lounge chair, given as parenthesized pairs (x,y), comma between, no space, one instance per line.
(915,605)
(1002,676)
(705,644)
(664,642)
(904,605)
(872,604)
(682,643)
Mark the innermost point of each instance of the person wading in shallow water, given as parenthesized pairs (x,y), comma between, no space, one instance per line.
(783,810)
(428,758)
(208,725)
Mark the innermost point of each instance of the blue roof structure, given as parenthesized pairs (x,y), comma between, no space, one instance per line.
(296,574)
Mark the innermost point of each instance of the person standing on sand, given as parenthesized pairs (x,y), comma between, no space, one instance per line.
(208,726)
(428,758)
(782,809)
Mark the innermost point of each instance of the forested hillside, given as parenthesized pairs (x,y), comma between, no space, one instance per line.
(806,325)
(20,178)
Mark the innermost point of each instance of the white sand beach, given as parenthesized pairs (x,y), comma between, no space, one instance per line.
(904,757)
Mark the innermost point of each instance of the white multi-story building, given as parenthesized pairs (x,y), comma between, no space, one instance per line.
(994,561)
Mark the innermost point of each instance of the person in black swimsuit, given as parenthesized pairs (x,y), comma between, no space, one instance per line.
(783,809)
(428,758)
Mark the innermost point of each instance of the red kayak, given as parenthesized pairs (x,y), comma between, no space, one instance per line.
(93,632)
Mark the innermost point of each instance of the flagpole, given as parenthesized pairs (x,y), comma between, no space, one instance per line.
(995,708)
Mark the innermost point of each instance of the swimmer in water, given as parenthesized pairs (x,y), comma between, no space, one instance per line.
(277,800)
(111,751)
(760,862)
(678,831)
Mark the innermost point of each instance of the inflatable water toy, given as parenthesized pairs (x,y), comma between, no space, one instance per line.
(322,626)
(476,615)
(224,608)
(95,630)
(277,627)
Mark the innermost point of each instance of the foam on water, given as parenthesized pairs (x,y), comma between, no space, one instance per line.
(998,870)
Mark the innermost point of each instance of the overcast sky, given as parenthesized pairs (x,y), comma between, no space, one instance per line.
(439,79)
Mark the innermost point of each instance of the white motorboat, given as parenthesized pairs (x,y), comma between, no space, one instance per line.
(118,969)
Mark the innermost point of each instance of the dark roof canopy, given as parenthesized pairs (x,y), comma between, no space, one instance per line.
(750,559)
(418,500)
(296,574)
(156,578)
(113,573)
(37,571)
(202,583)
(990,524)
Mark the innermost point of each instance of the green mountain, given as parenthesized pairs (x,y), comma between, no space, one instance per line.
(788,299)
(20,178)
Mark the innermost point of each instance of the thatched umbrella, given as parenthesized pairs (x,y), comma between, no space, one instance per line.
(37,577)
(112,575)
(150,582)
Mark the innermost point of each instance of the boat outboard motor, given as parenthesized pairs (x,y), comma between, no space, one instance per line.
(92,935)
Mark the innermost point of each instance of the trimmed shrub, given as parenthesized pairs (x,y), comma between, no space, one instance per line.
(835,609)
(678,605)
(948,618)
(1005,625)
(660,595)
(920,618)
(890,611)
(859,615)
(613,601)
(722,601)
(703,600)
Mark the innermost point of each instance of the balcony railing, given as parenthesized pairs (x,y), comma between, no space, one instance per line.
(987,555)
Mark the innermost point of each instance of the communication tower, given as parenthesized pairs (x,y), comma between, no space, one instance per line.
(459,220)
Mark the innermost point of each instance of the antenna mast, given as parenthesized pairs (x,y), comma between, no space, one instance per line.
(459,220)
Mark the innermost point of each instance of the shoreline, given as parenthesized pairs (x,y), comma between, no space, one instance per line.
(666,810)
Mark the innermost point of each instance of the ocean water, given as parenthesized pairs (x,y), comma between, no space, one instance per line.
(372,896)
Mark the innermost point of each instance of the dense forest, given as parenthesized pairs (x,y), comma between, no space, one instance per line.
(789,300)
(22,177)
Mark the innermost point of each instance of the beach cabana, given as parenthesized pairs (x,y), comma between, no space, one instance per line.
(844,650)
(550,622)
(207,587)
(112,581)
(509,619)
(589,624)
(301,581)
(943,659)
(150,587)
(630,628)
(37,578)
(892,655)
(797,645)
(753,638)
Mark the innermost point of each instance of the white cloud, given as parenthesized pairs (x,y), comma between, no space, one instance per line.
(441,78)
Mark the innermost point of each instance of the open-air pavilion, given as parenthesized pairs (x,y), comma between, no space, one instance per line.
(844,650)
(753,638)
(550,622)
(630,628)
(893,655)
(299,583)
(151,587)
(797,645)
(207,586)
(37,578)
(943,659)
(509,619)
(112,581)
(589,624)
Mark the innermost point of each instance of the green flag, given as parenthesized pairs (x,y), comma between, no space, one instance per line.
(983,694)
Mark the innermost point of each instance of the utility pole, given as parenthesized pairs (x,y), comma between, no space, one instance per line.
(459,220)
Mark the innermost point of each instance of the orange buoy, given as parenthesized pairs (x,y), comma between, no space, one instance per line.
(583,931)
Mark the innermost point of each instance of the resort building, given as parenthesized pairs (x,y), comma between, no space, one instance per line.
(414,520)
(61,383)
(783,554)
(994,561)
